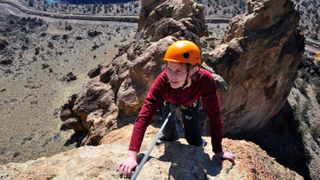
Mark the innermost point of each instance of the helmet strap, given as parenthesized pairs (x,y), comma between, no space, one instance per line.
(187,77)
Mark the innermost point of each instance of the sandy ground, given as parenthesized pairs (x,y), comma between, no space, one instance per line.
(32,89)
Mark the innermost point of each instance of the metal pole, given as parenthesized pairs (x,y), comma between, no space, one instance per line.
(138,169)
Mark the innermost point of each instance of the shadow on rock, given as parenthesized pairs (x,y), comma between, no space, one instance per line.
(77,138)
(189,162)
(281,139)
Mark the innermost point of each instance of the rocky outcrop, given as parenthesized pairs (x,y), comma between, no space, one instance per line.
(258,58)
(167,160)
(182,19)
(116,91)
(148,6)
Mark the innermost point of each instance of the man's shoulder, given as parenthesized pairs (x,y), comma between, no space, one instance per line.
(206,74)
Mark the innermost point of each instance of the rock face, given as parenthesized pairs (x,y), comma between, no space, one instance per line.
(258,58)
(179,18)
(167,160)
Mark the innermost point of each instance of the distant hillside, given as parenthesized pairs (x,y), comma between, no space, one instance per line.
(95,1)
(308,9)
(309,13)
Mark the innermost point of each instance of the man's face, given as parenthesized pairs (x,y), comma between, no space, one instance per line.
(177,73)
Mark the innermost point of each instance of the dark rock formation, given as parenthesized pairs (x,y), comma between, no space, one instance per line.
(69,77)
(258,58)
(93,33)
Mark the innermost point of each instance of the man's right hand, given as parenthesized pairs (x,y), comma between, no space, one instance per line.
(126,167)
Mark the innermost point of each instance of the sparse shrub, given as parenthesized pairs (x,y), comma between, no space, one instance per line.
(65,36)
(118,29)
(6,62)
(298,117)
(3,44)
(31,3)
(318,94)
(314,36)
(316,133)
(94,47)
(24,47)
(305,109)
(302,86)
(94,9)
(316,83)
(304,74)
(68,27)
(37,50)
(50,45)
(93,33)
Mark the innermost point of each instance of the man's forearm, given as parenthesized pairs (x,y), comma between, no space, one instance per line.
(132,154)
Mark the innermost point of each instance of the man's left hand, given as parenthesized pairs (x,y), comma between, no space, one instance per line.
(225,156)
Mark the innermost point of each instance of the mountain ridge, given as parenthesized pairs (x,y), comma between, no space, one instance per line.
(95,1)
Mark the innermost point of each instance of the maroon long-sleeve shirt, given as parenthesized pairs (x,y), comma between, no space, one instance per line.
(203,85)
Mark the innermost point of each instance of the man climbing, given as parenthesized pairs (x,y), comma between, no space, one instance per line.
(182,84)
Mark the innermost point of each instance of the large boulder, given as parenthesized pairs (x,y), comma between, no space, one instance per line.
(179,18)
(258,58)
(167,161)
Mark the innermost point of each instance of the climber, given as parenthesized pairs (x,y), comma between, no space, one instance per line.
(181,85)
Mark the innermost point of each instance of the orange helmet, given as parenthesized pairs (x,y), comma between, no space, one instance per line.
(183,51)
